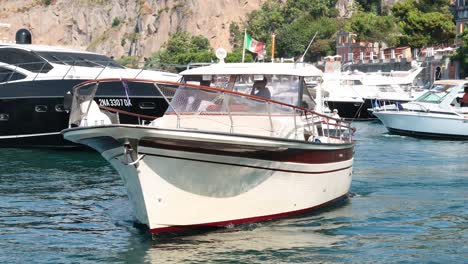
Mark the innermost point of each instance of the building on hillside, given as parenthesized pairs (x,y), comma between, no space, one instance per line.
(350,50)
(367,57)
(461,15)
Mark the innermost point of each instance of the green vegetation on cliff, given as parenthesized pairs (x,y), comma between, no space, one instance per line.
(181,49)
(416,23)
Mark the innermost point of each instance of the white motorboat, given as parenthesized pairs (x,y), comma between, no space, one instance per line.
(436,114)
(220,157)
(353,93)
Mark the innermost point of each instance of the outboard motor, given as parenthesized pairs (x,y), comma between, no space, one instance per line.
(23,36)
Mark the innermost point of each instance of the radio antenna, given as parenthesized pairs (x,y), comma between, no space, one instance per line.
(310,43)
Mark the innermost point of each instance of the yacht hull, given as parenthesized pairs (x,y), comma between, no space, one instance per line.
(32,114)
(357,111)
(187,179)
(351,110)
(423,124)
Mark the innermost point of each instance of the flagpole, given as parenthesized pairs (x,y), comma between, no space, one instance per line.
(243,46)
(273,47)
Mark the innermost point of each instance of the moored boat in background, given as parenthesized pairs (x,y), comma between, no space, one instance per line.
(34,80)
(353,93)
(437,113)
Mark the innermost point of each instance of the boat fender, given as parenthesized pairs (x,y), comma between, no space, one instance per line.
(315,140)
(67,101)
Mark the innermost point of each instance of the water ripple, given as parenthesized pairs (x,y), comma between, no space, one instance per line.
(408,205)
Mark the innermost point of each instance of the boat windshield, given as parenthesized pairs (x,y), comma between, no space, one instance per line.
(282,88)
(386,89)
(24,59)
(350,82)
(436,94)
(79,59)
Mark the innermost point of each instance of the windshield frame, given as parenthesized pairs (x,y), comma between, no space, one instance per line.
(284,88)
(436,93)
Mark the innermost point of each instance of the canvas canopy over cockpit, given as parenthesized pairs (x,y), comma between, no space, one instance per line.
(286,82)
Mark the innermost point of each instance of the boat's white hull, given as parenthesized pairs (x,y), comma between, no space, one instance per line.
(176,186)
(420,123)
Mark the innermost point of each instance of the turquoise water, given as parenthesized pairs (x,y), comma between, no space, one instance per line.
(408,205)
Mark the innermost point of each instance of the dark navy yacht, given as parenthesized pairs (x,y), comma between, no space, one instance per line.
(34,80)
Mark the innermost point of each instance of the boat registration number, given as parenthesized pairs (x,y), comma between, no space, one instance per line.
(115,102)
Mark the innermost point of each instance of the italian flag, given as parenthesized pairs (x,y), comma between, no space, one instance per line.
(253,45)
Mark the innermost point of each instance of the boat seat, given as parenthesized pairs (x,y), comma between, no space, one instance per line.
(94,116)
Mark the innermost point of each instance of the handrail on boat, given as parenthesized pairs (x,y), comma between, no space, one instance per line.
(208,88)
(425,109)
(339,125)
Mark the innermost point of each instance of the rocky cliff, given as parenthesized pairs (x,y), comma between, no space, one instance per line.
(124,27)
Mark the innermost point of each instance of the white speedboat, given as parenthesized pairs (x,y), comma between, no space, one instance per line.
(220,157)
(353,93)
(436,114)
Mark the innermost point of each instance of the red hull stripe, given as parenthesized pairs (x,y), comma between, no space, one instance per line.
(306,156)
(246,166)
(247,220)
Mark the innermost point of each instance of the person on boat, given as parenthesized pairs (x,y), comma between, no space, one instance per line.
(464,101)
(335,114)
(259,89)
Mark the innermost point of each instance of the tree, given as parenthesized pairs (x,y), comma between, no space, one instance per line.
(236,56)
(424,22)
(294,23)
(261,23)
(181,49)
(371,27)
(312,8)
(371,6)
(292,39)
(236,36)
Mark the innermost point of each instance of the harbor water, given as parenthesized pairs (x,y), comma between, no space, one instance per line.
(408,204)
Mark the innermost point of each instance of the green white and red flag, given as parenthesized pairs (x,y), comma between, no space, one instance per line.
(253,45)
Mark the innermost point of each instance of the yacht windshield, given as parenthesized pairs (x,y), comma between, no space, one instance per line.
(79,59)
(283,88)
(436,94)
(7,75)
(386,89)
(24,59)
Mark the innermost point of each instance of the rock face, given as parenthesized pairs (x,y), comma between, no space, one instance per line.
(344,7)
(121,27)
(126,27)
